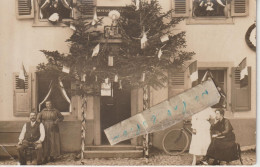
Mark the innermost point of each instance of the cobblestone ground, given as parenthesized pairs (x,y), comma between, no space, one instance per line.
(157,158)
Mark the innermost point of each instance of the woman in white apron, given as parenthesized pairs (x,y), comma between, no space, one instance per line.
(201,133)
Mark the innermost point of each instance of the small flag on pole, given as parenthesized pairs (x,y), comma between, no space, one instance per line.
(193,72)
(96,50)
(243,73)
(164,38)
(65,69)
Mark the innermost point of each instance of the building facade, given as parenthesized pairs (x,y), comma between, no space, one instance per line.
(216,36)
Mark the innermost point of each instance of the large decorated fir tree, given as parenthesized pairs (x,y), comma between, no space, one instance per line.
(149,48)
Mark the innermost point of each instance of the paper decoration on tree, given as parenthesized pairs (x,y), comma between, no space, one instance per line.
(137,4)
(110,60)
(83,77)
(164,38)
(72,27)
(144,40)
(143,77)
(65,69)
(95,18)
(54,18)
(120,85)
(116,78)
(96,50)
(166,113)
(243,73)
(160,53)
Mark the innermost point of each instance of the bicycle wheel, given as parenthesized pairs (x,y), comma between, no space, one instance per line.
(175,142)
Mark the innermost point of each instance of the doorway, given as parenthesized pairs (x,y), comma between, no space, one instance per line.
(220,77)
(44,84)
(114,110)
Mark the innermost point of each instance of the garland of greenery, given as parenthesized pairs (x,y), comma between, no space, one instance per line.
(247,37)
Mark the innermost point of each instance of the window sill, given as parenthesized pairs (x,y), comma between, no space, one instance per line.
(46,23)
(207,20)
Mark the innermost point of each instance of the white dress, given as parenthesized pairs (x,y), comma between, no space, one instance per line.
(201,140)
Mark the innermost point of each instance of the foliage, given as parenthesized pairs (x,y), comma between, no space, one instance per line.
(131,62)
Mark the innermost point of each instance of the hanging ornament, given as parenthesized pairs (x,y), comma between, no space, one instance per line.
(72,27)
(144,41)
(83,77)
(120,85)
(143,77)
(137,4)
(65,69)
(160,53)
(54,18)
(95,19)
(116,78)
(172,59)
(110,60)
(96,50)
(164,38)
(106,80)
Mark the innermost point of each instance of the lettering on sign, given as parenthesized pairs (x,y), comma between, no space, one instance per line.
(166,113)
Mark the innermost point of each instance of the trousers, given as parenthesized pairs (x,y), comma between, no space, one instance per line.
(22,154)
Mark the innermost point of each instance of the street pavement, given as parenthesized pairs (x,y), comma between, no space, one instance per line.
(156,158)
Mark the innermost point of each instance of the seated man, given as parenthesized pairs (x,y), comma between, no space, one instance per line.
(222,146)
(32,134)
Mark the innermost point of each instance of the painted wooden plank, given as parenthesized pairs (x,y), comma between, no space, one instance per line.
(165,114)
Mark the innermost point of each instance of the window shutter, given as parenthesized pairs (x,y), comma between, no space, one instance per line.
(178,82)
(239,7)
(87,7)
(22,96)
(240,97)
(24,9)
(180,8)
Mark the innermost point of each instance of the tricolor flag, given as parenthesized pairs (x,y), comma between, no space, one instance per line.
(96,50)
(243,73)
(193,72)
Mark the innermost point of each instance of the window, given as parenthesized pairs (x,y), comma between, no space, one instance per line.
(209,11)
(52,12)
(49,7)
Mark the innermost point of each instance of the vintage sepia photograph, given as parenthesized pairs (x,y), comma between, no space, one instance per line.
(128,82)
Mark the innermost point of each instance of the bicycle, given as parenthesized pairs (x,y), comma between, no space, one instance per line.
(176,141)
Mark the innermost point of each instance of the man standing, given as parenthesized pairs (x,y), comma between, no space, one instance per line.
(32,134)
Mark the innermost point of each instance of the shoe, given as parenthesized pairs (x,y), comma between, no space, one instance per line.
(204,162)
